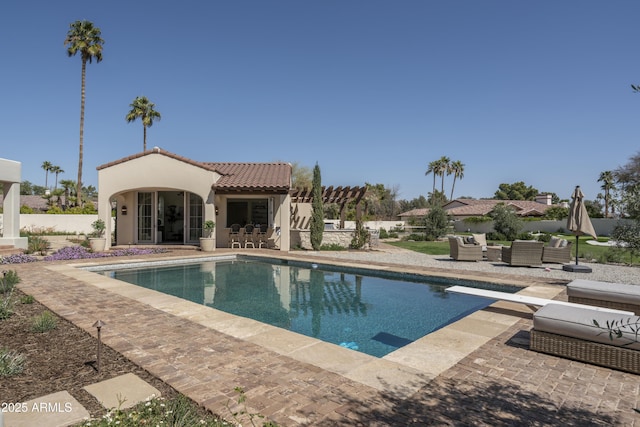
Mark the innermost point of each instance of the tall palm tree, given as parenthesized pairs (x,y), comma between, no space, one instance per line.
(47,168)
(57,170)
(83,37)
(433,166)
(457,169)
(143,108)
(608,184)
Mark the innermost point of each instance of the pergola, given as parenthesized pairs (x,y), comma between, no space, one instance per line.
(339,195)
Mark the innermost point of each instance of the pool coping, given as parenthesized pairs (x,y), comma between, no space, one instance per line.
(414,364)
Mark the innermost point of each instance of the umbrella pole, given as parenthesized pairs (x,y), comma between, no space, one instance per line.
(577,241)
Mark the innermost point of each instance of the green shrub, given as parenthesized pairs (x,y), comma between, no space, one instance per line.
(44,322)
(505,221)
(6,305)
(38,245)
(177,412)
(415,237)
(524,236)
(8,280)
(25,209)
(544,237)
(383,233)
(11,362)
(477,219)
(360,236)
(27,299)
(497,236)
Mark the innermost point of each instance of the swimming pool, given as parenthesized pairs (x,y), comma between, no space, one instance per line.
(372,313)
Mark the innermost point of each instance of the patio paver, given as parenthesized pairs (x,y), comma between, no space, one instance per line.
(497,381)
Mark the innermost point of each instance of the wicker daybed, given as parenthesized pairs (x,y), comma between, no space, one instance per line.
(570,332)
(604,294)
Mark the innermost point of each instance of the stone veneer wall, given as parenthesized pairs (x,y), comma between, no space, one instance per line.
(302,238)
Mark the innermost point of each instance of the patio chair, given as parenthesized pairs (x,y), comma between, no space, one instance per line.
(248,236)
(234,236)
(557,251)
(523,253)
(460,251)
(480,239)
(261,235)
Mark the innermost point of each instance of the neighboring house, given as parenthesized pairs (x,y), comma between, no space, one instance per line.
(413,214)
(459,209)
(163,198)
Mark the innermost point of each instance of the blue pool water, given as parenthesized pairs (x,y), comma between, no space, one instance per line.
(371,314)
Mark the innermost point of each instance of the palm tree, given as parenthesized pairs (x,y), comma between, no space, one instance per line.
(57,170)
(47,168)
(143,108)
(67,185)
(443,166)
(432,169)
(457,169)
(83,37)
(608,185)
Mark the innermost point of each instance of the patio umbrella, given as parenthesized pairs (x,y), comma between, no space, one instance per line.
(579,224)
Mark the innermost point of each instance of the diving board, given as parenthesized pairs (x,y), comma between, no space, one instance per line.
(531,302)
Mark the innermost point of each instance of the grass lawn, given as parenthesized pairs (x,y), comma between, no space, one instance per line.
(603,254)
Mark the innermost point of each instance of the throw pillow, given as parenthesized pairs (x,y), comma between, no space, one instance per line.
(555,242)
(563,243)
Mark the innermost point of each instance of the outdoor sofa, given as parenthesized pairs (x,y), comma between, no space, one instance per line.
(618,296)
(523,253)
(460,251)
(570,332)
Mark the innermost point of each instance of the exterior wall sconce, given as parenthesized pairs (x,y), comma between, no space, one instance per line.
(123,210)
(217,211)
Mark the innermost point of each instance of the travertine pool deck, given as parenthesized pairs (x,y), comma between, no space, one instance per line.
(477,371)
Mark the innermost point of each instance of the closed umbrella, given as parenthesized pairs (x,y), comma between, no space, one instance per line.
(579,224)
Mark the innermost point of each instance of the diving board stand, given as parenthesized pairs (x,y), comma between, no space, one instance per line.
(532,302)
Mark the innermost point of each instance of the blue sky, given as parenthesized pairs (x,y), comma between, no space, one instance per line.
(370,90)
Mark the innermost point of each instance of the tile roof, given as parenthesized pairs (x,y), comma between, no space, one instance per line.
(473,207)
(235,176)
(252,176)
(416,212)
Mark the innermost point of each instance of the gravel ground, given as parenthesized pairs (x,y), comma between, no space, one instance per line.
(391,254)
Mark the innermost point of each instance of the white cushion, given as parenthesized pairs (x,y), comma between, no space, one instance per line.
(615,292)
(577,322)
(554,242)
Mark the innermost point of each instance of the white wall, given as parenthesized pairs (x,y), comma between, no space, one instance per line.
(602,226)
(71,224)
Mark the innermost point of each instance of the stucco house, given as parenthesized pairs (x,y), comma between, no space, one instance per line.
(465,208)
(164,198)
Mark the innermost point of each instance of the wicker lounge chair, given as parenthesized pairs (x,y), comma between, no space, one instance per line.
(556,254)
(523,253)
(570,332)
(460,251)
(619,296)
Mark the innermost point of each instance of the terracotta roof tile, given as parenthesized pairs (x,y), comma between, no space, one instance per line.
(416,212)
(252,176)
